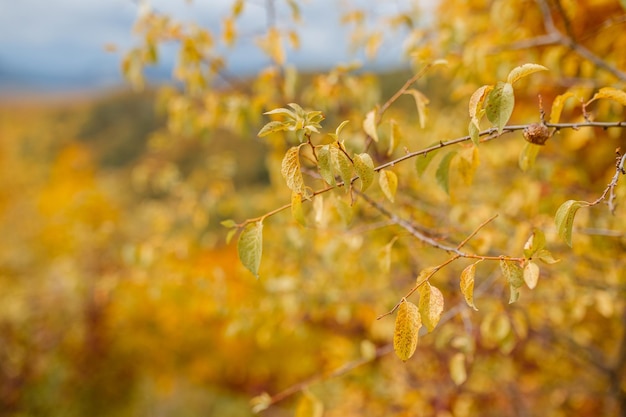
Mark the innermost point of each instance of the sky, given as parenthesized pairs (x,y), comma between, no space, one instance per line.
(58,45)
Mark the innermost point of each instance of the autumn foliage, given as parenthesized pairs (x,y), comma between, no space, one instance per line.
(446,239)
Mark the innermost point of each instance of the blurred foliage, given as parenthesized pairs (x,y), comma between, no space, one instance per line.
(119,295)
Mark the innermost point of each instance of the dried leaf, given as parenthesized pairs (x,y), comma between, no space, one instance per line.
(467,284)
(290,169)
(388,182)
(408,323)
(364,167)
(430,305)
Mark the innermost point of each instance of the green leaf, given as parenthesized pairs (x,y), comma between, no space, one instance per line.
(422,162)
(564,219)
(408,323)
(228,223)
(364,167)
(420,102)
(369,125)
(531,274)
(272,127)
(515,277)
(290,169)
(250,247)
(325,165)
(535,243)
(296,208)
(500,103)
(522,71)
(430,305)
(443,172)
(528,155)
(388,182)
(467,284)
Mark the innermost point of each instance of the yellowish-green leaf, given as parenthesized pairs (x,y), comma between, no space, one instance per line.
(296,208)
(421,101)
(342,164)
(564,219)
(340,128)
(422,162)
(546,257)
(250,247)
(522,71)
(500,104)
(309,406)
(474,133)
(611,94)
(229,235)
(535,243)
(457,368)
(273,127)
(514,276)
(528,155)
(430,305)
(394,135)
(442,175)
(364,167)
(369,125)
(324,163)
(408,323)
(228,223)
(290,169)
(467,284)
(557,106)
(531,274)
(388,182)
(467,166)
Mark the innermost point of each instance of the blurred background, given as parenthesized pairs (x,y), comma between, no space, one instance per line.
(128,134)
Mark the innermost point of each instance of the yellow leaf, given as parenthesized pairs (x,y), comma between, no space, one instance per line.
(467,284)
(420,102)
(388,182)
(610,93)
(229,33)
(476,102)
(430,305)
(309,406)
(514,276)
(373,44)
(524,70)
(290,169)
(296,208)
(557,106)
(457,368)
(369,125)
(364,167)
(408,323)
(531,274)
